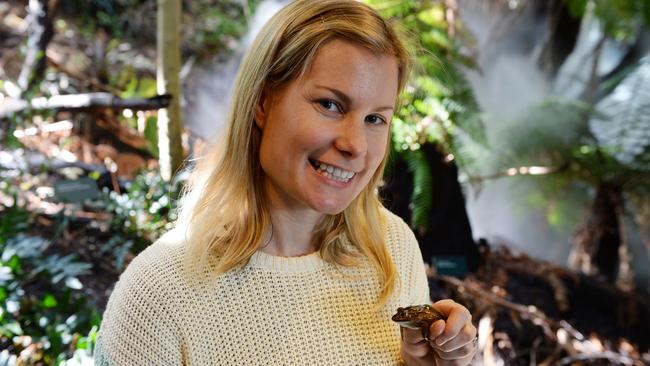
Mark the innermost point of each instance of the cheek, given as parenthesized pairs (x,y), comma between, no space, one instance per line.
(375,157)
(377,152)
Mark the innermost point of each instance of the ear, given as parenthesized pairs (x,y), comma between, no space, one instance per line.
(262,108)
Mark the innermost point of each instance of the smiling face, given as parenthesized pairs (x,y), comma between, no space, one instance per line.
(324,135)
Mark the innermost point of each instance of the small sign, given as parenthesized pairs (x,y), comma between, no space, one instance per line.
(450,265)
(76,190)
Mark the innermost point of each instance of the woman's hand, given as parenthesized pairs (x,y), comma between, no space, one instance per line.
(451,342)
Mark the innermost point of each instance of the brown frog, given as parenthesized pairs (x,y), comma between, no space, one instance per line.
(418,317)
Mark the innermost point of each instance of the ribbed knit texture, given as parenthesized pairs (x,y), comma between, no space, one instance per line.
(274,311)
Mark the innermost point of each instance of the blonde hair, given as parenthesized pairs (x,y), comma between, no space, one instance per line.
(225,209)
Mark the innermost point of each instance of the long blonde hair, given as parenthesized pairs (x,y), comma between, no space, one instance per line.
(225,208)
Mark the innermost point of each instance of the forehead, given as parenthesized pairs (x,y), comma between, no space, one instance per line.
(354,69)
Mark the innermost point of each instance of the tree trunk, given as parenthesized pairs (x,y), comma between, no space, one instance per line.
(168,80)
(642,219)
(597,243)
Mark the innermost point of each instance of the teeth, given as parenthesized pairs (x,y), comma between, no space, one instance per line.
(334,173)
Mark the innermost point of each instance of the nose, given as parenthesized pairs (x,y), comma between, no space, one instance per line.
(351,140)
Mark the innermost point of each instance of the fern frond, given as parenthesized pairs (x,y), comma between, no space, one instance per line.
(622,125)
(545,135)
(422,196)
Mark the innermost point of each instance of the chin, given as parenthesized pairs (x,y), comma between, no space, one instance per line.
(331,209)
(334,212)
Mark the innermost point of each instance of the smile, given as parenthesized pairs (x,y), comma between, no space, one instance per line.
(332,172)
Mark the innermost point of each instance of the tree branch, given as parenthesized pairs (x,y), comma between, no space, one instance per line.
(83,102)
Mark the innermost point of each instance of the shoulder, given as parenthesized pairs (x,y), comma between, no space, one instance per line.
(398,233)
(162,258)
(400,241)
(139,323)
(406,254)
(151,273)
(164,253)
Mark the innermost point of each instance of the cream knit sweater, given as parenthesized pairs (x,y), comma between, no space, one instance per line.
(274,311)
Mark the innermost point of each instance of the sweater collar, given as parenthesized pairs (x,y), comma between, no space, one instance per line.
(303,263)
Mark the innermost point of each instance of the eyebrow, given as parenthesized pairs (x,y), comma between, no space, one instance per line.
(346,99)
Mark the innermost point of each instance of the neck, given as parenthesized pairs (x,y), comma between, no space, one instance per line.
(292,233)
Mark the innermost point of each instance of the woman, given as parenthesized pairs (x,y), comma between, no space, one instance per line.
(286,256)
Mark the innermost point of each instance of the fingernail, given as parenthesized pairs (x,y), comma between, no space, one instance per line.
(440,341)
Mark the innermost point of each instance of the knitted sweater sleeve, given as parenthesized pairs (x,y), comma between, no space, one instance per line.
(137,327)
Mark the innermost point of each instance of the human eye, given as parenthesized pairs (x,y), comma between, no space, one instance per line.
(374,119)
(329,105)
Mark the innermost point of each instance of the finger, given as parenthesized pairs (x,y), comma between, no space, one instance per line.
(412,336)
(457,317)
(413,342)
(436,329)
(465,337)
(462,361)
(458,354)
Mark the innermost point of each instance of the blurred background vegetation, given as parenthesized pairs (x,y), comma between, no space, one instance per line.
(81,193)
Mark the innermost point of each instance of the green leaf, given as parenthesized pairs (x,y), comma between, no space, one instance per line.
(422,196)
(49,301)
(577,7)
(12,328)
(434,17)
(151,134)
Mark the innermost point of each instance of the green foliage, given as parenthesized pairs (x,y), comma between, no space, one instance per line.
(107,14)
(133,85)
(585,145)
(215,27)
(621,19)
(151,134)
(209,27)
(437,105)
(41,304)
(437,94)
(561,198)
(140,215)
(13,219)
(422,196)
(556,134)
(563,143)
(8,138)
(84,347)
(534,139)
(623,119)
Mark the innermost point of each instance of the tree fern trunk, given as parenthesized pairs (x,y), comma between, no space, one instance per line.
(596,244)
(448,231)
